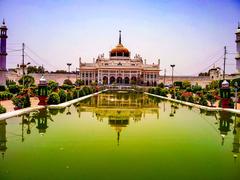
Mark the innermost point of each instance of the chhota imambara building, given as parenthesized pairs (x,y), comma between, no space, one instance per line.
(120,68)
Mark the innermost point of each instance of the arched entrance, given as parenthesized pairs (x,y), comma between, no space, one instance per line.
(126,80)
(119,80)
(133,80)
(105,80)
(112,80)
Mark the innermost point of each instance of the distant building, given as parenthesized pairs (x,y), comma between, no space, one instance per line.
(119,68)
(215,73)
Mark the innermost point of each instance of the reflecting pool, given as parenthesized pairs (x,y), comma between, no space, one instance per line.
(121,136)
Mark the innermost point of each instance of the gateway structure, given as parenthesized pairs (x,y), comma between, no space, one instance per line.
(120,68)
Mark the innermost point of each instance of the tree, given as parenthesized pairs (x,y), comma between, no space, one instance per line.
(32,69)
(40,69)
(203,74)
(26,81)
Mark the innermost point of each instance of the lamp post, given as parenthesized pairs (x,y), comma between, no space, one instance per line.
(236,94)
(173,95)
(69,64)
(23,66)
(172,66)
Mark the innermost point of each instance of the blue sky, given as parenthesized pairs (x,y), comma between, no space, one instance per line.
(188,33)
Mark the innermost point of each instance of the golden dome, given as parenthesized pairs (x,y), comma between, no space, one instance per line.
(120,50)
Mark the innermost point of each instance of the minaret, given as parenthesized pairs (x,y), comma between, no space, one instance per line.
(3,46)
(238,48)
(120,38)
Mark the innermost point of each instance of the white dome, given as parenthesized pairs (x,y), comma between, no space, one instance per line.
(42,80)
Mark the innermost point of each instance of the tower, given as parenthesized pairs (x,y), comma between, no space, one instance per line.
(3,138)
(3,46)
(238,48)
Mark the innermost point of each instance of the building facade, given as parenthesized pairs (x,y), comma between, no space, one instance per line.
(120,68)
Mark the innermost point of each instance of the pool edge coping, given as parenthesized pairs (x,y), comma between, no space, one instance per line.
(11,114)
(196,105)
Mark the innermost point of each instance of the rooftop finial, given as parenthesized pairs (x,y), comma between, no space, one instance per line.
(120,38)
(238,24)
(3,21)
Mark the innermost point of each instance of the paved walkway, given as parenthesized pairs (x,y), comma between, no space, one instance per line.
(10,107)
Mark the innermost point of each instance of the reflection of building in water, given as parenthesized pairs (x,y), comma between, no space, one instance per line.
(3,138)
(236,138)
(118,125)
(119,108)
(224,124)
(42,117)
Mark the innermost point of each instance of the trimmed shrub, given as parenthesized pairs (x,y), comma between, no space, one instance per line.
(178,97)
(190,99)
(196,88)
(2,109)
(161,85)
(27,102)
(2,88)
(77,93)
(53,98)
(157,91)
(67,81)
(67,87)
(21,100)
(183,98)
(10,82)
(164,92)
(79,82)
(81,93)
(188,89)
(87,90)
(203,101)
(5,95)
(178,83)
(13,88)
(69,96)
(63,96)
(151,90)
(52,85)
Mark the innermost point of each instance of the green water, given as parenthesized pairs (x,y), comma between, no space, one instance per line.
(121,136)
